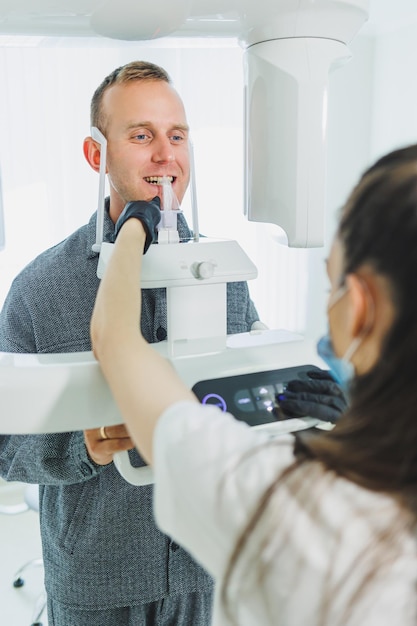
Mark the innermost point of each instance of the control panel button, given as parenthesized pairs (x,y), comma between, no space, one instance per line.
(214,398)
(264,392)
(243,401)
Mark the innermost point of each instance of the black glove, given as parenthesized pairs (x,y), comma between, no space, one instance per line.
(147,212)
(317,396)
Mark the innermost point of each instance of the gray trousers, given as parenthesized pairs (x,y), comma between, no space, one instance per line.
(193,609)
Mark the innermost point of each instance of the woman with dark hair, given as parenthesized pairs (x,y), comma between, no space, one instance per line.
(321,394)
(314,530)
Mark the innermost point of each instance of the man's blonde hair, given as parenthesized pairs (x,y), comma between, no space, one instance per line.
(135,70)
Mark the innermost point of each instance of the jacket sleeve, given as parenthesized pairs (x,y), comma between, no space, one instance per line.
(44,459)
(241,311)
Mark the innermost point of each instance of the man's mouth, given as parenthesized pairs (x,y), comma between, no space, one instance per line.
(158,180)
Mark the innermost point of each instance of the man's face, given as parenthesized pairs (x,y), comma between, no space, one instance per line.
(147,138)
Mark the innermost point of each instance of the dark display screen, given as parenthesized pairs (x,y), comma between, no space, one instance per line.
(250,397)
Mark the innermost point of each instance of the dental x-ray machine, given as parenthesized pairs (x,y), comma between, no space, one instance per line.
(290,47)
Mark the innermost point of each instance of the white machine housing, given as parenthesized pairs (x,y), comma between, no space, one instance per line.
(195,276)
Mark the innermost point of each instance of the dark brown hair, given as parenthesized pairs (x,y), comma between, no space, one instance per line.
(375,443)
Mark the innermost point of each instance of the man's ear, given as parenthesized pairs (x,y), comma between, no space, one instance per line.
(362,313)
(92,153)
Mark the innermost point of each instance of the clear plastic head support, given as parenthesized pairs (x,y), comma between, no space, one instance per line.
(170,207)
(98,136)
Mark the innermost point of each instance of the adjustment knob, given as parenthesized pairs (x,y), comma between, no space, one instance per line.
(202,269)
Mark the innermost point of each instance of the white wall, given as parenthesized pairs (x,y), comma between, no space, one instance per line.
(395,95)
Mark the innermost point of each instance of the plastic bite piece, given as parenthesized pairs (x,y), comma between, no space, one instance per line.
(167,229)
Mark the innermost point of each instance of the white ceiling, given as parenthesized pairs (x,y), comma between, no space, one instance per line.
(72,17)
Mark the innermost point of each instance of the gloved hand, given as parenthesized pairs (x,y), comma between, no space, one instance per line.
(317,396)
(147,212)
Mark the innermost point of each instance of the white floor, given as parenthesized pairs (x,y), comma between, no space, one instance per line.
(19,543)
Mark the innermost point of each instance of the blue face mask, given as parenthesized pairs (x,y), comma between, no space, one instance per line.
(341,369)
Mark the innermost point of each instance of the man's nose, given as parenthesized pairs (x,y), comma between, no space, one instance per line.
(163,151)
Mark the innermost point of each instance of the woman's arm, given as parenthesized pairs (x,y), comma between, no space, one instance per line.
(143,383)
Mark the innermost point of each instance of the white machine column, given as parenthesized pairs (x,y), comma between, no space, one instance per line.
(285,134)
(196,319)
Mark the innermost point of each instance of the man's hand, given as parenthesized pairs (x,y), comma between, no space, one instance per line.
(146,212)
(317,396)
(101,450)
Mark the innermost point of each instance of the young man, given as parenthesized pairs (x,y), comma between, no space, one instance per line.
(106,563)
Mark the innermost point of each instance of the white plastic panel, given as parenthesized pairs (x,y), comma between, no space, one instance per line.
(285,134)
(52,393)
(180,264)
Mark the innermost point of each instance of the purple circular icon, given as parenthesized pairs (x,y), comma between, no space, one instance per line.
(214,398)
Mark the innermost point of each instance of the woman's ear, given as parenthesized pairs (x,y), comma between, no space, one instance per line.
(92,153)
(362,313)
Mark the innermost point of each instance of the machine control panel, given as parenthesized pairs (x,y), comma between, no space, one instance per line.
(250,397)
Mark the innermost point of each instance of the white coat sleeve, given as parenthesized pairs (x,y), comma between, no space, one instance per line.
(209,476)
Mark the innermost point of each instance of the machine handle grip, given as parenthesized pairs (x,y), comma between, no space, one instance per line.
(138,476)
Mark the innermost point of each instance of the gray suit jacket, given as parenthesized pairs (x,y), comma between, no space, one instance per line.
(101,547)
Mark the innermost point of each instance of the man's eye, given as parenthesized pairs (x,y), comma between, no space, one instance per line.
(177,138)
(142,137)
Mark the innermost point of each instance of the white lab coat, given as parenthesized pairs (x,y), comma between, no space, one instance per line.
(209,473)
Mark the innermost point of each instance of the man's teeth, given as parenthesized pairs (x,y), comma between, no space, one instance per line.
(158,180)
